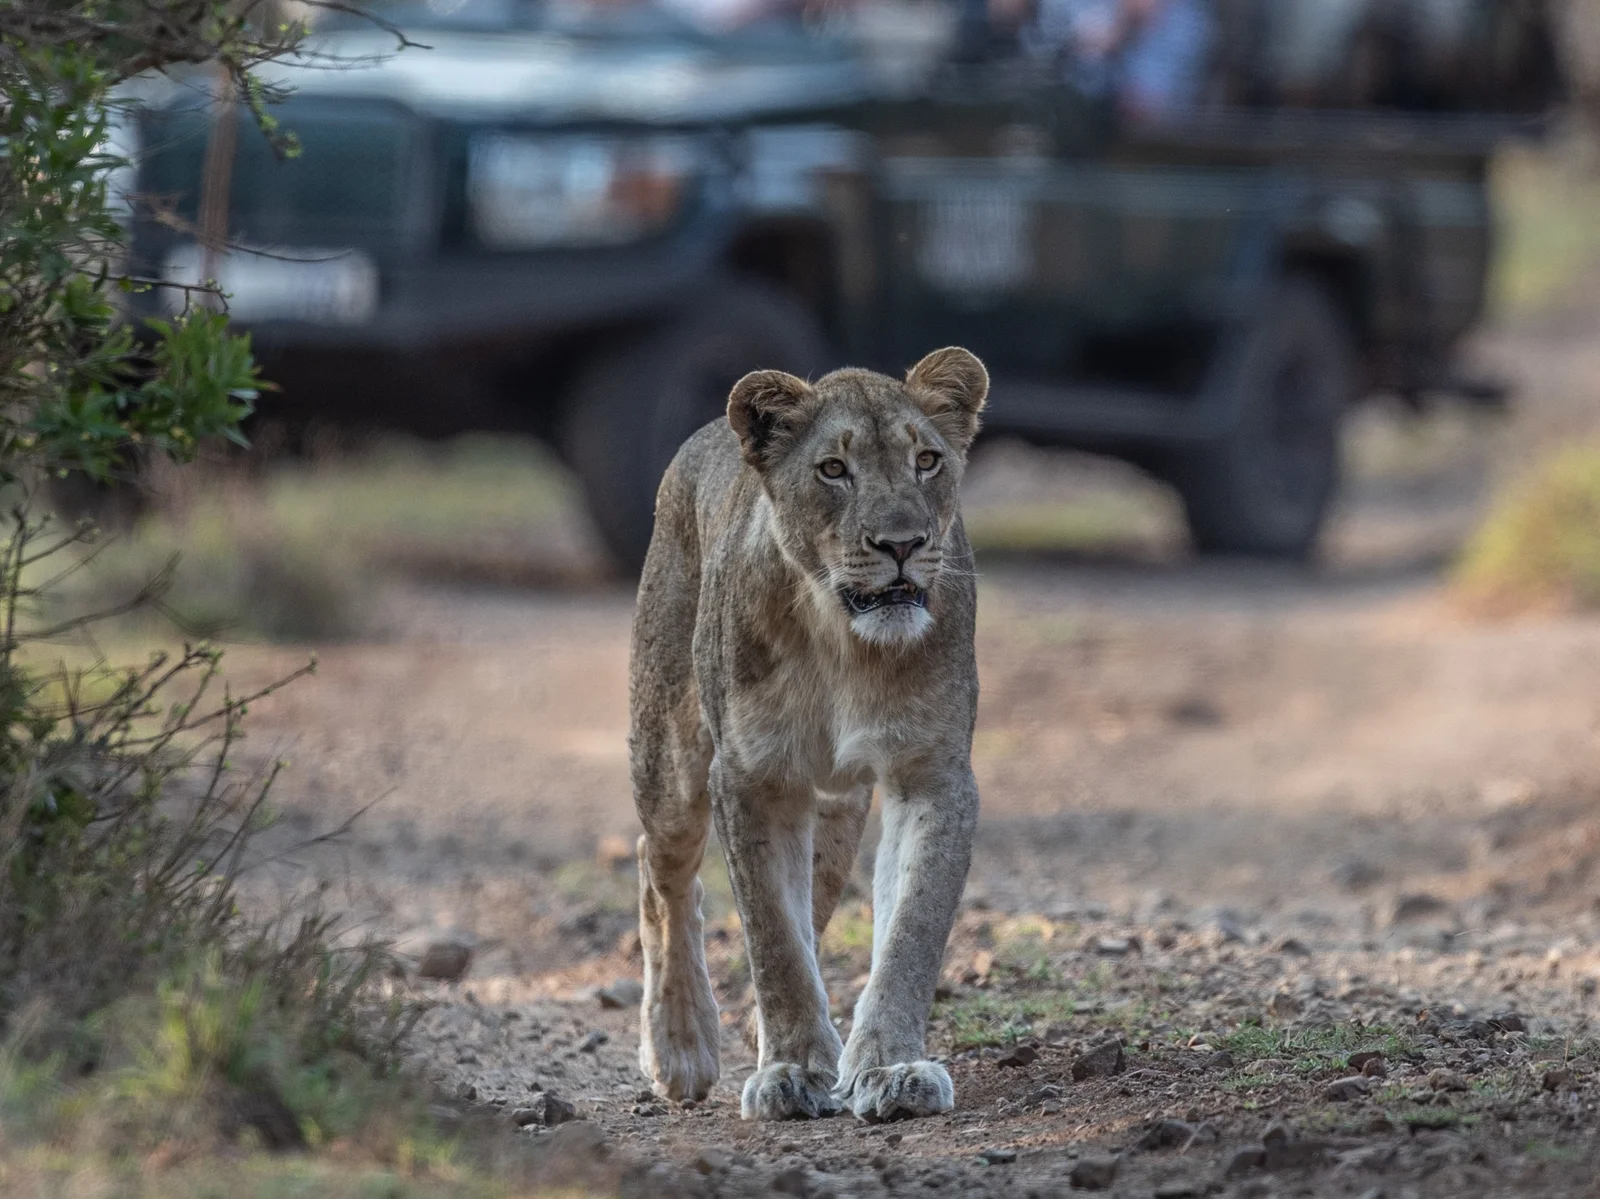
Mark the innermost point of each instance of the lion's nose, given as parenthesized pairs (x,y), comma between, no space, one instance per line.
(899,550)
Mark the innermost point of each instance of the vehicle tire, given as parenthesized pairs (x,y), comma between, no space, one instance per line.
(1264,487)
(632,408)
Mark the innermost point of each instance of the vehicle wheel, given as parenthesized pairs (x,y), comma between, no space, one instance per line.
(1265,486)
(637,403)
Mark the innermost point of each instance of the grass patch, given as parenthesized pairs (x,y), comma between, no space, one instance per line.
(1431,1117)
(1539,547)
(1002,1017)
(1549,1151)
(985,1019)
(849,933)
(1088,525)
(596,886)
(1549,239)
(289,554)
(1312,1049)
(257,1176)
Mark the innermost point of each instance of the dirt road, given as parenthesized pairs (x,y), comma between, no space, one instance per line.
(1246,821)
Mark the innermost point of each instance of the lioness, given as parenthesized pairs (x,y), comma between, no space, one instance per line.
(804,630)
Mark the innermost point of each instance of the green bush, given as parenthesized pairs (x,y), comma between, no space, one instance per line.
(1539,547)
(139,1006)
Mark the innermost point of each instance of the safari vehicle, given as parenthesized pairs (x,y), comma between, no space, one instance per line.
(590,226)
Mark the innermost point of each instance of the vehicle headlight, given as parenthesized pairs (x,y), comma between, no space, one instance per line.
(530,191)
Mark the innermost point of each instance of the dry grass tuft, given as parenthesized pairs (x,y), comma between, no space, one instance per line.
(1539,547)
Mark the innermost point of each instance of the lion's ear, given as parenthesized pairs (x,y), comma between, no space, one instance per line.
(766,408)
(951,385)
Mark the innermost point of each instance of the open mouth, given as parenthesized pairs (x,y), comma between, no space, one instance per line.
(901,591)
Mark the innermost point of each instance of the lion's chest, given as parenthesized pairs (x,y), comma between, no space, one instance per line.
(808,724)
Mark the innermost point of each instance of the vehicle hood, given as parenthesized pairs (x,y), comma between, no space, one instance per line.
(549,77)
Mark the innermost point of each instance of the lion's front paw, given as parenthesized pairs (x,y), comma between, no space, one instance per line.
(678,1043)
(679,1074)
(902,1091)
(785,1091)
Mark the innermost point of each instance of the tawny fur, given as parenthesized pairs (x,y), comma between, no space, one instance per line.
(762,701)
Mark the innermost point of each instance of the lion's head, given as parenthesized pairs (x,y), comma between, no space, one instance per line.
(862,472)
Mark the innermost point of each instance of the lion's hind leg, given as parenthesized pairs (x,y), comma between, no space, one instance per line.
(679,1033)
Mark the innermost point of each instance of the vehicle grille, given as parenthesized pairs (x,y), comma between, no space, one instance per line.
(356,181)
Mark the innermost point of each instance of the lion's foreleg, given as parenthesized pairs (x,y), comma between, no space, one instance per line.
(921,868)
(766,831)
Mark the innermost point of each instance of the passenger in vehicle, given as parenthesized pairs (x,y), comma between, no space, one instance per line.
(1411,55)
(1150,55)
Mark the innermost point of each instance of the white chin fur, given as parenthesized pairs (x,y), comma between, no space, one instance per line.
(896,624)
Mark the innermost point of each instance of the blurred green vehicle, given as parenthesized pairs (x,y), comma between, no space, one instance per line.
(588,224)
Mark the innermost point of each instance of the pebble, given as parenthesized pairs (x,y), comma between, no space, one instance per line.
(1094,1173)
(1342,1090)
(1357,874)
(1114,947)
(444,960)
(790,1182)
(1227,930)
(623,993)
(578,1138)
(1165,1134)
(1106,1061)
(1417,906)
(546,1110)
(1457,1031)
(1244,1159)
(1284,1147)
(1022,1055)
(1196,711)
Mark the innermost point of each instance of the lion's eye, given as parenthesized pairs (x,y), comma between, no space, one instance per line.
(927,460)
(832,468)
